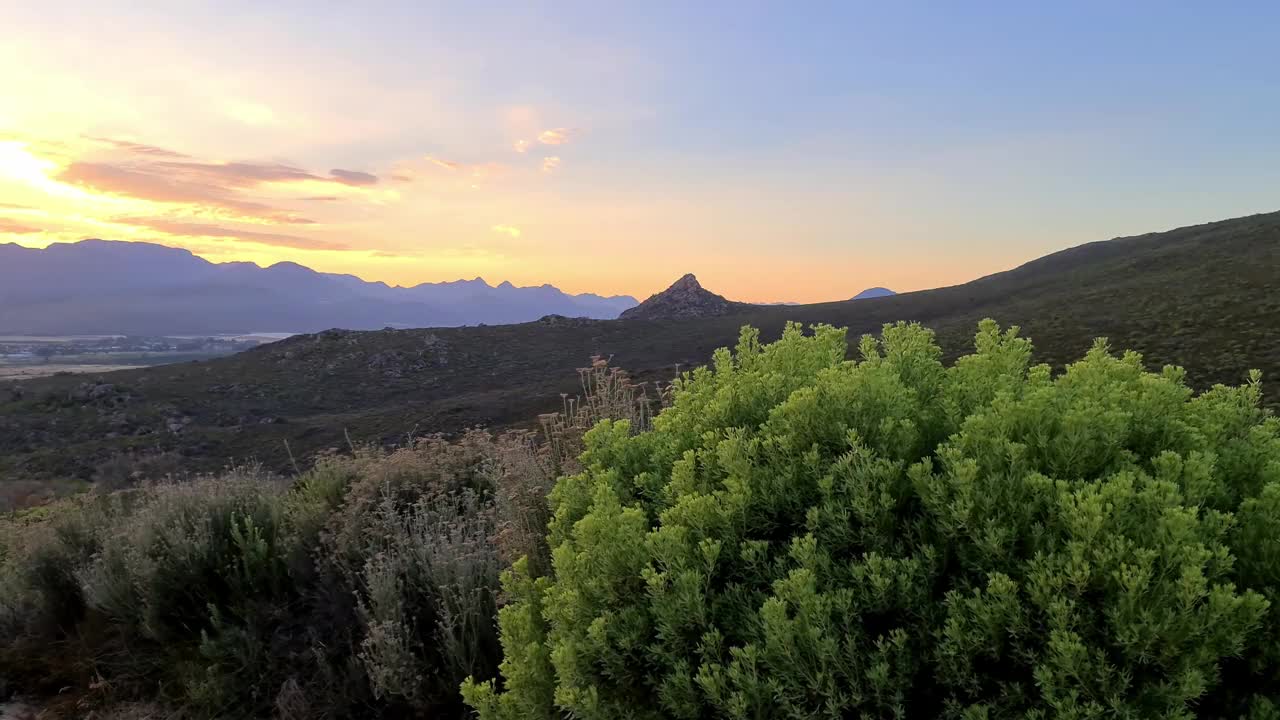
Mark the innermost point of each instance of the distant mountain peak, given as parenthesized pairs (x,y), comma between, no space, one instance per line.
(874,292)
(686,298)
(290,266)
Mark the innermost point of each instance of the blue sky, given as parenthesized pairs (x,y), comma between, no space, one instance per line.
(780,151)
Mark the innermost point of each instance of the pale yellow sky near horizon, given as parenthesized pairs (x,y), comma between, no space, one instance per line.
(599,150)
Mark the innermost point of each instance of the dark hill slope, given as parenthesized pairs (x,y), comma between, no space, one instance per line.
(1206,297)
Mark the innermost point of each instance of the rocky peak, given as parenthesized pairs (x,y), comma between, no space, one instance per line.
(688,283)
(686,298)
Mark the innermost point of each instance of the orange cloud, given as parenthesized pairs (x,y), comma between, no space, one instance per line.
(521,146)
(10,227)
(153,174)
(243,174)
(446,164)
(510,230)
(137,148)
(168,187)
(189,229)
(353,177)
(557,136)
(550,164)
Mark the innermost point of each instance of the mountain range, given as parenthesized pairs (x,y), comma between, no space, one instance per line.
(109,287)
(1205,298)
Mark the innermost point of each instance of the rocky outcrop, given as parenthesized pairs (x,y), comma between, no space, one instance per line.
(686,298)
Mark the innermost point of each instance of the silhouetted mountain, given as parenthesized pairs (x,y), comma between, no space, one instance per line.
(101,287)
(686,298)
(874,292)
(1202,297)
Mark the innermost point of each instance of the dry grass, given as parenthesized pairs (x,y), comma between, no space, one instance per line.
(369,586)
(29,372)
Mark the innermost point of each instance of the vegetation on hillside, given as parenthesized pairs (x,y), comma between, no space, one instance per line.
(368,586)
(795,535)
(1205,298)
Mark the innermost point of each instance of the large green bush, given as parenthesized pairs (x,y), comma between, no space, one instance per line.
(804,536)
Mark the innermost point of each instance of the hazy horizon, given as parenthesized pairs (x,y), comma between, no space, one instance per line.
(610,151)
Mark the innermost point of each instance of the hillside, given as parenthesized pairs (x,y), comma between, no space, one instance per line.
(1205,297)
(106,287)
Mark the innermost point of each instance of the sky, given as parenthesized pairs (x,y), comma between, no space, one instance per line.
(780,151)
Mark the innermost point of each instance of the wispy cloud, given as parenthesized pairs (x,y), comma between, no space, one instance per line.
(170,187)
(11,227)
(190,229)
(241,174)
(521,146)
(238,174)
(557,136)
(509,230)
(137,148)
(224,189)
(550,164)
(466,175)
(353,177)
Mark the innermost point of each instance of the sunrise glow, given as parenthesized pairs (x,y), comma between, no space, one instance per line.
(607,163)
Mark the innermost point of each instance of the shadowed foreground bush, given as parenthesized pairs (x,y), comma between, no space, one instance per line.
(368,587)
(804,536)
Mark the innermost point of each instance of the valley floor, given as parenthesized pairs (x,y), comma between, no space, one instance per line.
(27,372)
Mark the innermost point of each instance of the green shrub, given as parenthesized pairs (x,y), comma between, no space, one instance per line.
(805,536)
(42,603)
(185,586)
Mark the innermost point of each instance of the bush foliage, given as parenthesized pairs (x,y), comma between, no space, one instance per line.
(803,536)
(796,535)
(369,586)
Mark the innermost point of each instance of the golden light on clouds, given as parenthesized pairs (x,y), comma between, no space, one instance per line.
(557,136)
(13,227)
(126,187)
(122,189)
(422,212)
(19,164)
